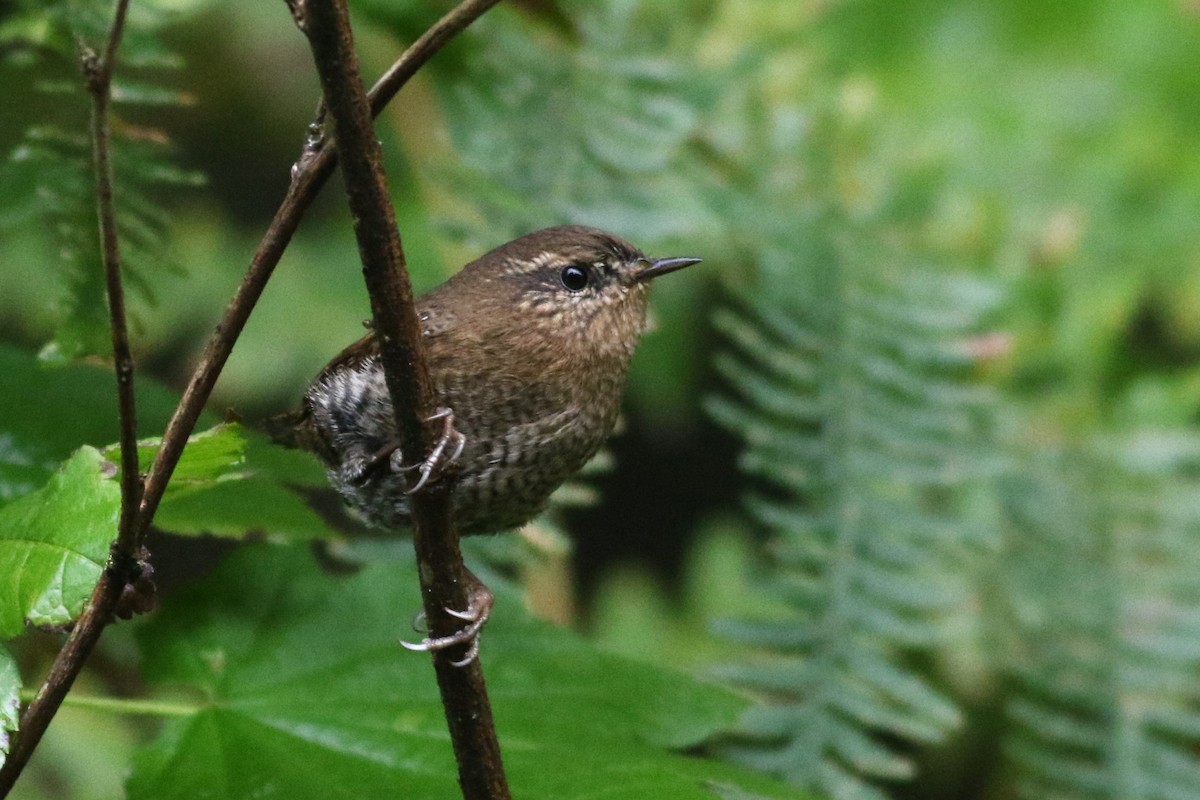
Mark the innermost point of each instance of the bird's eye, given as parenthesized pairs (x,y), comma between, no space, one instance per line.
(574,278)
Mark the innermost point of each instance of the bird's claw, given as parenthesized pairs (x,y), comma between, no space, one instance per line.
(433,645)
(437,458)
(479,608)
(371,465)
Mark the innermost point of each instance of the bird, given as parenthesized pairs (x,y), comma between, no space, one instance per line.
(528,348)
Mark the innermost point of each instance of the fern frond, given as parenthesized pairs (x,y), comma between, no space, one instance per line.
(860,423)
(48,177)
(1105,593)
(588,125)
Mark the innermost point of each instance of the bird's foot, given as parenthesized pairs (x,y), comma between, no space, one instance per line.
(372,464)
(439,457)
(479,608)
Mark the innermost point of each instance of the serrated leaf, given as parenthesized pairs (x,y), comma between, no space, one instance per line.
(230,481)
(59,408)
(207,456)
(54,543)
(302,690)
(248,505)
(53,410)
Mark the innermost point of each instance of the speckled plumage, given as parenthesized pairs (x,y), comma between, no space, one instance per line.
(532,370)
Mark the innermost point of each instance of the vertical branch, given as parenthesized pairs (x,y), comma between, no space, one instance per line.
(99,83)
(464,695)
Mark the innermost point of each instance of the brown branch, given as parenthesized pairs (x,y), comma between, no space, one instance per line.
(310,175)
(443,581)
(99,80)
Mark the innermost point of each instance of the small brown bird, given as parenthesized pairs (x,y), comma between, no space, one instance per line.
(528,348)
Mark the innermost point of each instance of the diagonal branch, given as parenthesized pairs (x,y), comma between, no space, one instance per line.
(309,176)
(443,581)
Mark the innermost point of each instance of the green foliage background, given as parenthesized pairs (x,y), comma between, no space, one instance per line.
(947,326)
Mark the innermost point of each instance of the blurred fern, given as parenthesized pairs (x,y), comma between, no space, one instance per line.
(48,176)
(1104,582)
(583,119)
(862,431)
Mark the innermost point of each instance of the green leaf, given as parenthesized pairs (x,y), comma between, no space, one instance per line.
(54,542)
(207,457)
(10,699)
(230,481)
(301,689)
(252,504)
(51,411)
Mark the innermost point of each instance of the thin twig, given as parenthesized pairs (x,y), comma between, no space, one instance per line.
(443,581)
(124,563)
(99,79)
(307,182)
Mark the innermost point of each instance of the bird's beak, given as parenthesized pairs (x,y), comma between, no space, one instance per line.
(661,266)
